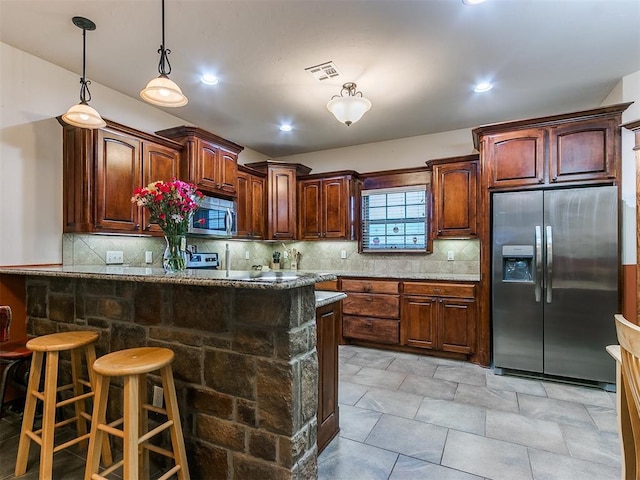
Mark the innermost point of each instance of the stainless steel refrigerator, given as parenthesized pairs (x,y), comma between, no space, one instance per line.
(555,281)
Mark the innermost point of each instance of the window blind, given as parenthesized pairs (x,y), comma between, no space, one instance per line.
(394,219)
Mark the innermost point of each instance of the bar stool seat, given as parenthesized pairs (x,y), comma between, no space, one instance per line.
(134,364)
(46,349)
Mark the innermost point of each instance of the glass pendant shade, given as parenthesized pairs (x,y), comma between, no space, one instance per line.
(83,116)
(349,109)
(163,92)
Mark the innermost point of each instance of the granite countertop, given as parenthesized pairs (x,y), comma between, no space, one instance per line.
(325,298)
(456,277)
(276,280)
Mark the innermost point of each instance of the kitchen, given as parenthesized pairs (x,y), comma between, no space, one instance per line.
(32,134)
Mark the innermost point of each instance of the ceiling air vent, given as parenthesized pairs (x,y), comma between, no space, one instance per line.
(324,71)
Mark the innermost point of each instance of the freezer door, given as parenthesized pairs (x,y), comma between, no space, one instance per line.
(581,282)
(517,304)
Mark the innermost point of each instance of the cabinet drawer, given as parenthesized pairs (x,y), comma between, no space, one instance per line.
(381,306)
(370,286)
(373,329)
(328,285)
(440,289)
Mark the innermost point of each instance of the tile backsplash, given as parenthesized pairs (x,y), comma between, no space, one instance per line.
(84,249)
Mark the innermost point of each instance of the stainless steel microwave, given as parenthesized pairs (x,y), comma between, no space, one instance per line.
(214,217)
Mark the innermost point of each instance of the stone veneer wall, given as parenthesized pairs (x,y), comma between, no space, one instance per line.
(246,366)
(82,249)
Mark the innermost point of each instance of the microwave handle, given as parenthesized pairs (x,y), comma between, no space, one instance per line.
(228,222)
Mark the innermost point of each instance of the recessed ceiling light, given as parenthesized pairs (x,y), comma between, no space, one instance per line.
(482,87)
(209,79)
(471,3)
(286,127)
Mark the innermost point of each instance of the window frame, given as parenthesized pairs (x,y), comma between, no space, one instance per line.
(427,248)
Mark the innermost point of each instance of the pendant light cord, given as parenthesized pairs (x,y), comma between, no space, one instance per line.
(164,67)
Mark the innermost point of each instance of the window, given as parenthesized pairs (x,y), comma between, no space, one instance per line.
(394,219)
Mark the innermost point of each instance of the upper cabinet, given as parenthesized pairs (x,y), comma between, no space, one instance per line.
(101,170)
(251,204)
(582,147)
(327,206)
(281,197)
(208,161)
(455,197)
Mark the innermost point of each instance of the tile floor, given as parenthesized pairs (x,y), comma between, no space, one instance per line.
(406,417)
(409,417)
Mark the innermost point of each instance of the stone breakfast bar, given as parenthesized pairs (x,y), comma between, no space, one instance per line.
(246,365)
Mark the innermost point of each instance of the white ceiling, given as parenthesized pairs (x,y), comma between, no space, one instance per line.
(416,60)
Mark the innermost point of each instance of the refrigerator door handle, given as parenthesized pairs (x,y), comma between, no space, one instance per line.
(549,279)
(538,263)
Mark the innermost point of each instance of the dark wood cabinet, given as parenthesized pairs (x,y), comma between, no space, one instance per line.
(371,311)
(101,170)
(580,148)
(327,327)
(326,207)
(455,197)
(439,317)
(251,204)
(208,161)
(281,197)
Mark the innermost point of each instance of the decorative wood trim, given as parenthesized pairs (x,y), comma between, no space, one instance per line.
(184,131)
(635,127)
(301,170)
(442,161)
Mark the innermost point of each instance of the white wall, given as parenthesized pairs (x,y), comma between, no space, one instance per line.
(628,90)
(32,93)
(392,154)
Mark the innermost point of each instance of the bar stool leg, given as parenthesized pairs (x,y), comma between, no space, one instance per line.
(90,357)
(98,437)
(143,426)
(177,441)
(29,413)
(131,424)
(49,415)
(76,374)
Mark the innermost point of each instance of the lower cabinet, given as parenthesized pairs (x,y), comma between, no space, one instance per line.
(328,333)
(439,317)
(371,311)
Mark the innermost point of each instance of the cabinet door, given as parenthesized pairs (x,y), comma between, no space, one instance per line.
(335,205)
(582,151)
(327,324)
(228,171)
(282,204)
(257,207)
(418,324)
(310,209)
(158,163)
(515,158)
(456,325)
(207,166)
(455,188)
(118,173)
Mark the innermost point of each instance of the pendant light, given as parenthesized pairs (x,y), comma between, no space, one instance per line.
(162,91)
(82,115)
(350,108)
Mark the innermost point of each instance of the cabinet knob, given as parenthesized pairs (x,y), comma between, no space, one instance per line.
(148,227)
(136,226)
(540,180)
(555,178)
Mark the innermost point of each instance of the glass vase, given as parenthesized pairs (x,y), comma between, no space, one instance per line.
(175,254)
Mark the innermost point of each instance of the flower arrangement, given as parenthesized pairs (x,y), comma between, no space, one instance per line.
(171,204)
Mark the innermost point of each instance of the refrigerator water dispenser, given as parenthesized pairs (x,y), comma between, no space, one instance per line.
(517,263)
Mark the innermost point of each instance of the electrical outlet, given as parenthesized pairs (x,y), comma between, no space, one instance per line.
(148,256)
(158,396)
(246,255)
(450,255)
(343,254)
(114,257)
(285,254)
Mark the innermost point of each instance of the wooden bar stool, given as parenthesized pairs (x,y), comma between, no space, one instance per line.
(133,364)
(51,346)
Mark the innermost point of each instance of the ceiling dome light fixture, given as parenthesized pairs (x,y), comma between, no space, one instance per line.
(209,79)
(286,127)
(162,91)
(82,115)
(349,109)
(483,87)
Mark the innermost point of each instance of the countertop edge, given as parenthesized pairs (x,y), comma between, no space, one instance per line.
(326,298)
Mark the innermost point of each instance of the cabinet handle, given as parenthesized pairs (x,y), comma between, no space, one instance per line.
(369,324)
(540,179)
(148,227)
(319,234)
(137,226)
(275,235)
(555,178)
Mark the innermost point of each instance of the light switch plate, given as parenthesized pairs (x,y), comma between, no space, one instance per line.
(450,255)
(343,254)
(114,256)
(148,256)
